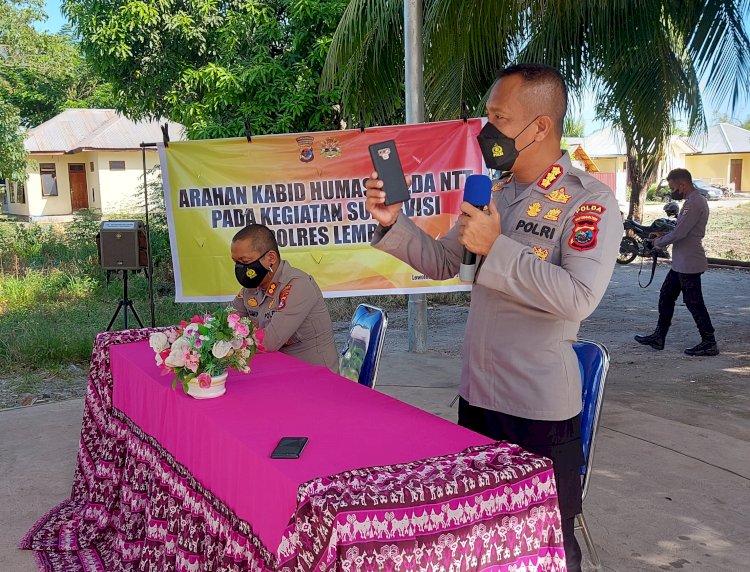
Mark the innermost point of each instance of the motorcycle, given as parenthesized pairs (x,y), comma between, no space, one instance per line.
(636,241)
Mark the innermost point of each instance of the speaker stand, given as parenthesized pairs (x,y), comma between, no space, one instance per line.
(124,304)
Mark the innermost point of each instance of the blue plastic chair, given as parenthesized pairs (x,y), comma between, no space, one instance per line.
(359,359)
(593,360)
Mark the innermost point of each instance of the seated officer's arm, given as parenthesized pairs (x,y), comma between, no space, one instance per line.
(239,305)
(572,290)
(438,259)
(286,320)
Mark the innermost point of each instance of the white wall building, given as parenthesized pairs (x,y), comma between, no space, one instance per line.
(85,159)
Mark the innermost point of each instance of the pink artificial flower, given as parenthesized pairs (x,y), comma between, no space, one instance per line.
(241,329)
(233,319)
(171,335)
(183,324)
(196,319)
(191,360)
(259,335)
(198,342)
(204,380)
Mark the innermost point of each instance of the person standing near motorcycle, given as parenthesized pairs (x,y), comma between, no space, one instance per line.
(688,263)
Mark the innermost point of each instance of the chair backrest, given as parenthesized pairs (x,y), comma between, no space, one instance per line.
(361,354)
(593,360)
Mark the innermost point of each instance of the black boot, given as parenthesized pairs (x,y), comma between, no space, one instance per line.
(707,347)
(655,340)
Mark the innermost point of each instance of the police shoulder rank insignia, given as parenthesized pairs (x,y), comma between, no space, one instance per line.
(271,303)
(554,173)
(542,253)
(534,209)
(552,214)
(272,288)
(585,226)
(252,302)
(558,196)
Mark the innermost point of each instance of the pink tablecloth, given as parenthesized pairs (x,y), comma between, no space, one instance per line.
(166,482)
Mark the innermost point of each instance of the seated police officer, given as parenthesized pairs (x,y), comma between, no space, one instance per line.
(282,300)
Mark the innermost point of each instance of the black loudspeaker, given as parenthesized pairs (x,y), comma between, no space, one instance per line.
(122,245)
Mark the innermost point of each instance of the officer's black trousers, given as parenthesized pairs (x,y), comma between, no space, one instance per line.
(692,295)
(556,440)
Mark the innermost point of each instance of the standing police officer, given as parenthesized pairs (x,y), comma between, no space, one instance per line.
(688,263)
(547,248)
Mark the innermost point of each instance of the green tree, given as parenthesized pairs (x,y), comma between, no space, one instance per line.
(642,59)
(42,74)
(12,152)
(212,65)
(574,126)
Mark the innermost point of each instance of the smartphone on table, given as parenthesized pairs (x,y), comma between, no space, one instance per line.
(386,162)
(289,448)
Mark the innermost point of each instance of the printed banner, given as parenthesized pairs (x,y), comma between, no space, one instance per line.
(309,189)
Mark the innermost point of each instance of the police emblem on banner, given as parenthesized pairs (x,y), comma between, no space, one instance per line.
(330,148)
(305,144)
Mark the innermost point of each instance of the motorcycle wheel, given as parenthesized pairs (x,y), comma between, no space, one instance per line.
(628,250)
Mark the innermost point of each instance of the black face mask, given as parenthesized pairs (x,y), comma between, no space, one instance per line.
(250,275)
(499,150)
(677,195)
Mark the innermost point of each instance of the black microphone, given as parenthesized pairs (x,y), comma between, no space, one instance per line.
(477,192)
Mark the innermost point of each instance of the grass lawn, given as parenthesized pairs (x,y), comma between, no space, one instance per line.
(54,297)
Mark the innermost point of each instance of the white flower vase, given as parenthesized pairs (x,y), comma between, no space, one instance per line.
(216,389)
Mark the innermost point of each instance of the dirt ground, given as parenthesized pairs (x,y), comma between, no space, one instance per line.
(715,390)
(710,392)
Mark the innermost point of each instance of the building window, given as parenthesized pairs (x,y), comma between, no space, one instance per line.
(49,179)
(117,165)
(20,193)
(91,166)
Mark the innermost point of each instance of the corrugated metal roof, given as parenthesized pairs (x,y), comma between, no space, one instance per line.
(78,129)
(722,138)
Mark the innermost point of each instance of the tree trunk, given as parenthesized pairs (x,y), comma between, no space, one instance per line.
(641,174)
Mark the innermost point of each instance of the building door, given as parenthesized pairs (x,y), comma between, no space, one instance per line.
(79,194)
(735,173)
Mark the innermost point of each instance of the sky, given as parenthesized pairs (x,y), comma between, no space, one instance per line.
(741,112)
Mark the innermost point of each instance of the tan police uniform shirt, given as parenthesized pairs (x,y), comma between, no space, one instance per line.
(688,255)
(545,273)
(294,316)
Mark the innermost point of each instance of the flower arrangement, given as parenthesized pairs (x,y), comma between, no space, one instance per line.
(206,347)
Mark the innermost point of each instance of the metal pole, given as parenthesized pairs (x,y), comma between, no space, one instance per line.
(148,242)
(414,62)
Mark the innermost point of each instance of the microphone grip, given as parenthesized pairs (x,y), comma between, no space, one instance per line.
(468,267)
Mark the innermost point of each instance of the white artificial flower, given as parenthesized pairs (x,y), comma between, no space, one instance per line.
(236,343)
(159,361)
(158,342)
(181,344)
(221,349)
(175,358)
(191,329)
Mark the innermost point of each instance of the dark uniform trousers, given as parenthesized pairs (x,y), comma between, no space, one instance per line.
(556,440)
(692,295)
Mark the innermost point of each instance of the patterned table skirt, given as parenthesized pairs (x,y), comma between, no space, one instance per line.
(135,508)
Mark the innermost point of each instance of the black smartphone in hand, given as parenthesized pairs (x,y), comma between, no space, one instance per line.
(289,448)
(386,162)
